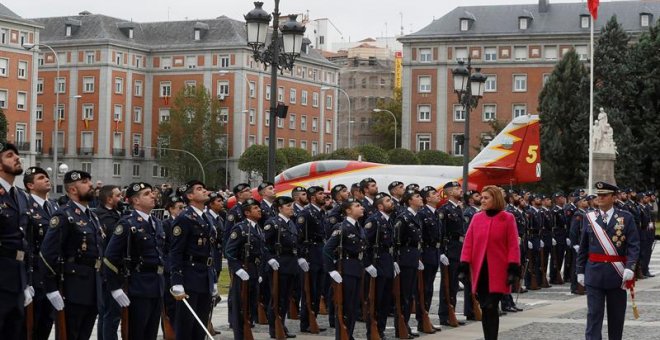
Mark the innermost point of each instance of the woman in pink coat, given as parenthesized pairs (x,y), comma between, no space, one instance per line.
(491,254)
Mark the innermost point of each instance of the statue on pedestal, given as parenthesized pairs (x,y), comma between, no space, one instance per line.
(603,135)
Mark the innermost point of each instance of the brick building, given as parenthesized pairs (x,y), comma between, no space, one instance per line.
(126,72)
(517,47)
(17,74)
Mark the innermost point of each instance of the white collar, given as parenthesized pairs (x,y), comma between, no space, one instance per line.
(453,203)
(269,204)
(286,219)
(143,214)
(351,220)
(38,199)
(412,211)
(431,208)
(212,213)
(6,184)
(82,207)
(387,217)
(369,199)
(197,211)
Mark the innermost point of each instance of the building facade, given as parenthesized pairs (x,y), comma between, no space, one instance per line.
(18,71)
(117,79)
(516,46)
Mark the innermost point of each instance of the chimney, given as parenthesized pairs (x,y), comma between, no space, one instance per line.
(543,6)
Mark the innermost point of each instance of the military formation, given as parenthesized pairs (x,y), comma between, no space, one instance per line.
(355,254)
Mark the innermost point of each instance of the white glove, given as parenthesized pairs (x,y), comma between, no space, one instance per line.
(371,270)
(530,245)
(303,264)
(568,242)
(29,294)
(628,274)
(120,297)
(397,270)
(243,274)
(178,292)
(580,279)
(444,260)
(274,264)
(542,244)
(577,248)
(335,276)
(215,290)
(56,300)
(554,242)
(260,279)
(420,266)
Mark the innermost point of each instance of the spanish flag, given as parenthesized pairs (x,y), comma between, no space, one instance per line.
(86,123)
(593,8)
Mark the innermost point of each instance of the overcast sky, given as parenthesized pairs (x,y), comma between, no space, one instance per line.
(355,19)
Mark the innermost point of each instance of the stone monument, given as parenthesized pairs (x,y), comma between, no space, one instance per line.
(604,149)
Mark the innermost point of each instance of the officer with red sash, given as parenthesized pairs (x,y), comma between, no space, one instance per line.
(609,250)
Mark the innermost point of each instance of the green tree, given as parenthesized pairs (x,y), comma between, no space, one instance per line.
(614,92)
(3,126)
(403,156)
(321,157)
(373,153)
(436,157)
(645,109)
(295,156)
(383,124)
(564,107)
(194,126)
(496,126)
(255,160)
(345,154)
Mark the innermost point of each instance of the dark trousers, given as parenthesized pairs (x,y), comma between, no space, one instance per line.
(534,265)
(185,325)
(285,281)
(264,291)
(315,285)
(351,292)
(468,309)
(236,302)
(616,311)
(383,303)
(143,317)
(109,317)
(330,301)
(408,286)
(12,314)
(169,302)
(546,261)
(557,259)
(443,309)
(489,302)
(43,318)
(428,274)
(79,321)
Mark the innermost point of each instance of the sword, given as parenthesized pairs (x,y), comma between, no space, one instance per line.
(201,324)
(521,278)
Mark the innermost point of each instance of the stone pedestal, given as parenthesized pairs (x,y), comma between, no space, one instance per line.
(604,167)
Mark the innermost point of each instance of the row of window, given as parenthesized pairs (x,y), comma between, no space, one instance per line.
(7,36)
(524,22)
(423,142)
(21,72)
(489,112)
(157,170)
(520,53)
(87,112)
(292,144)
(518,84)
(21,100)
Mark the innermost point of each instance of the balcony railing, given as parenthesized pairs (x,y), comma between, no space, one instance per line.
(60,151)
(119,152)
(139,155)
(22,146)
(85,151)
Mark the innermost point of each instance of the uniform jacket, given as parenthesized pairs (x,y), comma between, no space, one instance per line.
(281,239)
(453,230)
(346,245)
(494,238)
(245,248)
(36,231)
(380,244)
(75,239)
(136,249)
(331,219)
(219,225)
(192,252)
(234,216)
(622,231)
(407,236)
(431,235)
(13,221)
(311,235)
(108,219)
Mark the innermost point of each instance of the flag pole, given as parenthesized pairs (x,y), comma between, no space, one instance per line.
(591,110)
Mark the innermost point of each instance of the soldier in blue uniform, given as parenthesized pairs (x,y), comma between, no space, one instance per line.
(356,193)
(547,240)
(339,194)
(560,238)
(312,239)
(345,247)
(473,207)
(37,184)
(242,192)
(174,206)
(369,189)
(534,242)
(244,254)
(453,234)
(72,251)
(214,211)
(513,207)
(300,199)
(281,254)
(134,261)
(648,232)
(379,231)
(609,251)
(267,192)
(408,237)
(574,234)
(432,253)
(396,190)
(192,270)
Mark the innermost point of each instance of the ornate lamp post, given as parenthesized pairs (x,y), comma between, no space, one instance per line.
(280,55)
(470,88)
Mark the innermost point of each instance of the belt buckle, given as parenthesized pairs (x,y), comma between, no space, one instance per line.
(461,239)
(391,251)
(437,245)
(159,270)
(360,256)
(97,264)
(209,261)
(295,252)
(20,255)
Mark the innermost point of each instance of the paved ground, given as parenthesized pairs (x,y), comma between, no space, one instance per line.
(550,314)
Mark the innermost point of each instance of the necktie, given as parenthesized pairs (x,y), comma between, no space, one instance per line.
(47,208)
(605,217)
(12,193)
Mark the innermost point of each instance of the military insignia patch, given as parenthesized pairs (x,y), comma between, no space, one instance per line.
(398,224)
(176,231)
(368,225)
(119,229)
(140,219)
(301,220)
(233,235)
(336,232)
(351,235)
(441,215)
(333,220)
(267,227)
(230,217)
(136,187)
(77,211)
(54,221)
(467,219)
(35,204)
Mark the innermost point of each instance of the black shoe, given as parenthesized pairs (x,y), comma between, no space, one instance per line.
(420,329)
(510,309)
(437,328)
(290,335)
(649,274)
(518,309)
(502,313)
(471,318)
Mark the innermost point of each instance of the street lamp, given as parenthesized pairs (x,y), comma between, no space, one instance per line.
(395,123)
(280,55)
(470,88)
(323,88)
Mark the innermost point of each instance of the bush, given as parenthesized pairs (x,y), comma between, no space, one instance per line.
(403,156)
(345,154)
(435,157)
(295,156)
(373,153)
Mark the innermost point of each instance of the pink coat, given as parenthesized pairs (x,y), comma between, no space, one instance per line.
(496,236)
